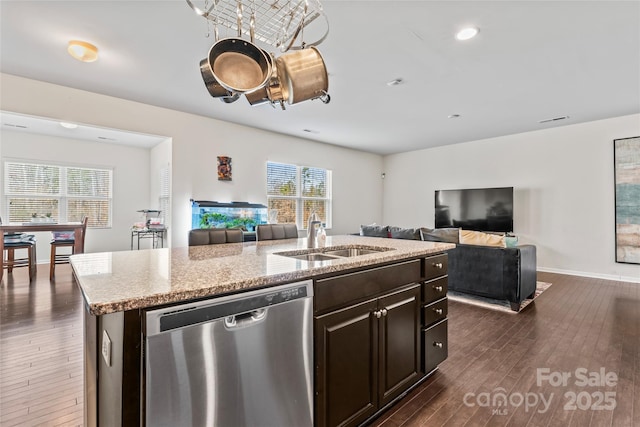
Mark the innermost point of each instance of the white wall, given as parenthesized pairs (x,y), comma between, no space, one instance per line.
(564,190)
(160,158)
(196,141)
(130,181)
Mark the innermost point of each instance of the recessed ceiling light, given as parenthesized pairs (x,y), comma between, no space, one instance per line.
(467,33)
(68,125)
(82,51)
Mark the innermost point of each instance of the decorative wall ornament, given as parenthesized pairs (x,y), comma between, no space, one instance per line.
(626,153)
(224,168)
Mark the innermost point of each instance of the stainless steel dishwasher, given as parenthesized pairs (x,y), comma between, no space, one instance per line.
(240,360)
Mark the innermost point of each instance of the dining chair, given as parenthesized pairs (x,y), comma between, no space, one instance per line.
(276,231)
(63,258)
(10,247)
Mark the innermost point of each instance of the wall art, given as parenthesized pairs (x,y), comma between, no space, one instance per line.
(224,168)
(626,154)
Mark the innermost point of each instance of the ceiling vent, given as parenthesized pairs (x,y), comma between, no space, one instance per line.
(555,119)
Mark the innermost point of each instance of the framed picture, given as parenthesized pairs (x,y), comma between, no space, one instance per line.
(224,168)
(626,155)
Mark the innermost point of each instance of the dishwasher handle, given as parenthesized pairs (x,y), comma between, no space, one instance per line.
(245,320)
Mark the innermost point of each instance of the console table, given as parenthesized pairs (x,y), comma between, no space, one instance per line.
(43,226)
(156,234)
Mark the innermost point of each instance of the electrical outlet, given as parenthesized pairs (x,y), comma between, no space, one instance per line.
(106,348)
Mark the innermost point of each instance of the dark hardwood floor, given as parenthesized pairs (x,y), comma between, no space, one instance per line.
(577,323)
(40,349)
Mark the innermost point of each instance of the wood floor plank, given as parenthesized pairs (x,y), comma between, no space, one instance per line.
(577,322)
(40,350)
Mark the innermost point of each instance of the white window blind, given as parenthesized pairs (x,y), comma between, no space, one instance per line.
(164,201)
(297,191)
(63,193)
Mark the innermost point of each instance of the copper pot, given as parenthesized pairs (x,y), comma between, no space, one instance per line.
(303,76)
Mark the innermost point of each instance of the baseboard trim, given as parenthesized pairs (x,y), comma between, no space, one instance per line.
(591,275)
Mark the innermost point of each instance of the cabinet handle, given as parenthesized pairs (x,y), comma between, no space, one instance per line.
(437,344)
(438,288)
(438,265)
(438,310)
(378,314)
(384,311)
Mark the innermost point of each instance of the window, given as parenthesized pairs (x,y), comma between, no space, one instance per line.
(297,191)
(164,199)
(64,193)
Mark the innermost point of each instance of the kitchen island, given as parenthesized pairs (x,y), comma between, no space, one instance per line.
(119,286)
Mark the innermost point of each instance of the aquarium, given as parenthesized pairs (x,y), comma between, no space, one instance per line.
(210,214)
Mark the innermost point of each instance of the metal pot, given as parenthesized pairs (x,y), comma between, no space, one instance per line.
(272,92)
(303,75)
(215,89)
(238,65)
(261,95)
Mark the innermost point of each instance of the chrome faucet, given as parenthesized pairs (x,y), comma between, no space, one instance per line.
(312,230)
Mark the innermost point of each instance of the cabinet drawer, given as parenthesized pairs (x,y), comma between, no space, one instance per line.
(435,345)
(434,290)
(435,266)
(434,312)
(340,291)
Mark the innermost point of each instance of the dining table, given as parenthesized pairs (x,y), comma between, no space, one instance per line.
(30,227)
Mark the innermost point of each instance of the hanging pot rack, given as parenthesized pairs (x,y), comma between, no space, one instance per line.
(236,66)
(278,23)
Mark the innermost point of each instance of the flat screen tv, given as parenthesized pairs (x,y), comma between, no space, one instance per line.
(479,209)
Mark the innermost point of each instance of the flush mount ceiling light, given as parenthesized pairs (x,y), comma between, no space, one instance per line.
(467,33)
(82,51)
(68,125)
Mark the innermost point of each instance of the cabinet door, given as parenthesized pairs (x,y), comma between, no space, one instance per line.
(346,365)
(399,343)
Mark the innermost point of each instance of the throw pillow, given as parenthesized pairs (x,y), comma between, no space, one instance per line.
(511,241)
(404,233)
(468,237)
(447,235)
(374,230)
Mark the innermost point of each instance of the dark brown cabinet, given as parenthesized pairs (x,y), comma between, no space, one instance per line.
(367,354)
(434,312)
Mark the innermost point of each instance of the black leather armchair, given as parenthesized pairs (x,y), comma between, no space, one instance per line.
(499,273)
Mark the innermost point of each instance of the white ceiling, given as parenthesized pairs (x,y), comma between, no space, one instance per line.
(532,60)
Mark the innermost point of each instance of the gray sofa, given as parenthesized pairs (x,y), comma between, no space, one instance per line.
(213,236)
(499,273)
(493,272)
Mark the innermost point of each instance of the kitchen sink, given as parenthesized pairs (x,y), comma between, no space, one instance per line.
(350,252)
(332,253)
(313,257)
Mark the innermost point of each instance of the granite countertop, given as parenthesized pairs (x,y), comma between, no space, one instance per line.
(119,281)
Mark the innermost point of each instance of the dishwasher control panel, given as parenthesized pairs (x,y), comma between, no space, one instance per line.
(170,318)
